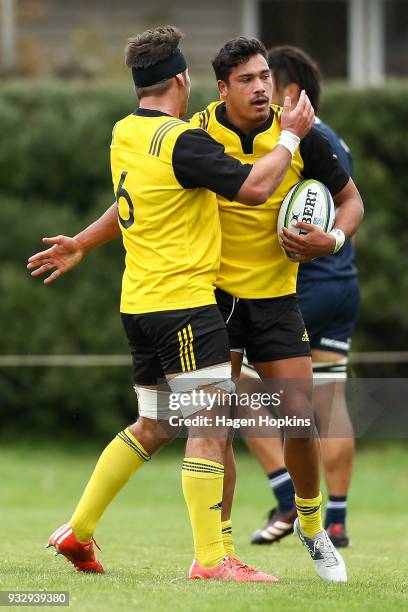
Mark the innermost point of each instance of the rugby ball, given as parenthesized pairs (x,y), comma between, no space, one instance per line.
(309,202)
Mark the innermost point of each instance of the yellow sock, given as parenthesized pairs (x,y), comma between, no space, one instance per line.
(310,515)
(120,459)
(202,487)
(227,538)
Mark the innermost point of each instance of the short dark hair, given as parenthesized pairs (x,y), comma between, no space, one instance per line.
(234,52)
(292,65)
(150,47)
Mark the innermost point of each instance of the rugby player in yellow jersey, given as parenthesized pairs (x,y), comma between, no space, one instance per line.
(256,284)
(165,176)
(328,293)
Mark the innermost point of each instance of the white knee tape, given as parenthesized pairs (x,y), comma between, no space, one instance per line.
(200,378)
(333,371)
(226,385)
(153,404)
(195,391)
(188,403)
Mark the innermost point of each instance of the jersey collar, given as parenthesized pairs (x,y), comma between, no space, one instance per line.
(148,112)
(247,140)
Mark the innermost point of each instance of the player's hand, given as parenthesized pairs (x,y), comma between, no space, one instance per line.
(64,255)
(300,119)
(315,243)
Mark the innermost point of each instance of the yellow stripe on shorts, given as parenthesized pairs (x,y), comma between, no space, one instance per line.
(180,337)
(190,344)
(186,349)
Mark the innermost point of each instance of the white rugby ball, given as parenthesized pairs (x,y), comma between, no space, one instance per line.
(309,202)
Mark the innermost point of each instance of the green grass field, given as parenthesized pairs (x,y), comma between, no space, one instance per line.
(147,547)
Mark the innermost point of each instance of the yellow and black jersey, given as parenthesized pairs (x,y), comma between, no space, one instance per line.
(252,263)
(162,172)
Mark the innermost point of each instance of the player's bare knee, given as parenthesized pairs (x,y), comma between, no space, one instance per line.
(151,434)
(210,448)
(298,405)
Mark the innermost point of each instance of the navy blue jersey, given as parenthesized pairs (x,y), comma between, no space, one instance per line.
(341,264)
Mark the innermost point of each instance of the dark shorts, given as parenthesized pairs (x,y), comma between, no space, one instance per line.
(268,329)
(175,341)
(329,309)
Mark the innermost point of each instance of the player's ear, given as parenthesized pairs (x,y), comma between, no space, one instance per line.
(223,89)
(180,79)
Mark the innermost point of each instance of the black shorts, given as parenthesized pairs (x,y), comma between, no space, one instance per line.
(175,341)
(329,308)
(267,329)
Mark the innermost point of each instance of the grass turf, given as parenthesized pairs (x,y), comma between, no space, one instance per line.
(147,547)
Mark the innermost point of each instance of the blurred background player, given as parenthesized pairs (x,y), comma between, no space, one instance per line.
(329,295)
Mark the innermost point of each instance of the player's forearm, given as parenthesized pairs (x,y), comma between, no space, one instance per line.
(265,177)
(105,229)
(349,216)
(349,211)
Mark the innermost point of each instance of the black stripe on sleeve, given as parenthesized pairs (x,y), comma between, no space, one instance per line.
(159,135)
(162,135)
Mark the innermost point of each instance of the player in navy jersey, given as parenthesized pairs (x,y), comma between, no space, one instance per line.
(329,295)
(341,265)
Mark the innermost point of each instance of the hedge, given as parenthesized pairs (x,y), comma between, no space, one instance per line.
(56,136)
(373,122)
(55,178)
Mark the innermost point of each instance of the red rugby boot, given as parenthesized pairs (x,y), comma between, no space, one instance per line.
(80,554)
(229,569)
(338,535)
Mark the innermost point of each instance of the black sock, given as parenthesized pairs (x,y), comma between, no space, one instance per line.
(336,510)
(281,484)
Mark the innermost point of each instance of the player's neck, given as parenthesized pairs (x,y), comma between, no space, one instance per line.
(162,104)
(241,123)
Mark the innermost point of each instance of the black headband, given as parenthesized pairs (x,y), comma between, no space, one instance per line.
(162,70)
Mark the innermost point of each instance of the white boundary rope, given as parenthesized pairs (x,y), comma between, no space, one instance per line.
(25,361)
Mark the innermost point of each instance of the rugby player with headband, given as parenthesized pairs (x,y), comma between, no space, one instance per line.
(166,176)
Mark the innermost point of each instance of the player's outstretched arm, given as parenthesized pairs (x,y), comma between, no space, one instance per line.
(267,173)
(66,253)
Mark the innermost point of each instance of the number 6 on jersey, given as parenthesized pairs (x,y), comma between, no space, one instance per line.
(122,193)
